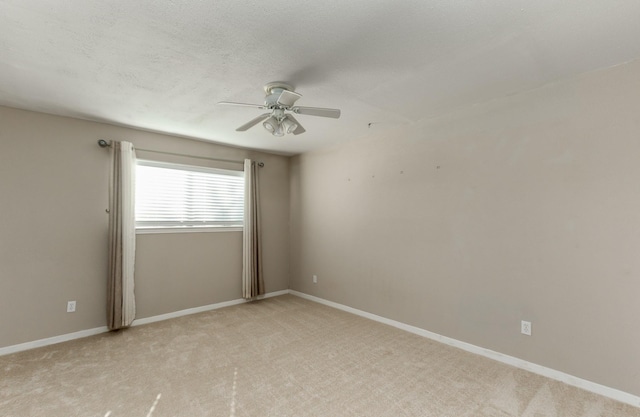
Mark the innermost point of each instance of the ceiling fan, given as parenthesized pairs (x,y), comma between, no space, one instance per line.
(279,100)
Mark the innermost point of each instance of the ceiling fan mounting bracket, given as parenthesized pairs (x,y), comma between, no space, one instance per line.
(270,88)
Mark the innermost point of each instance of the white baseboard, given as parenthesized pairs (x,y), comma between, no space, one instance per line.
(91,332)
(52,340)
(201,309)
(596,388)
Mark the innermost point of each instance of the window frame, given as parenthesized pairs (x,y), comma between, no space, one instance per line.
(187,228)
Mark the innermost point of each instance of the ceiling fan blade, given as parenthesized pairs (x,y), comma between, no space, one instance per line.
(299,129)
(229,103)
(287,98)
(317,111)
(253,122)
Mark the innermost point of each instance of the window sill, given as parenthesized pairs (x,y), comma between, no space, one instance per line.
(168,230)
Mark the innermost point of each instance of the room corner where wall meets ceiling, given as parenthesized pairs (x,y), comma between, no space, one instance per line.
(522,208)
(54,187)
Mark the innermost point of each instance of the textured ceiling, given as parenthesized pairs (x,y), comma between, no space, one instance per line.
(163,64)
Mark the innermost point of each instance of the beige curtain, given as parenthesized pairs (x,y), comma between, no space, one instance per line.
(252,280)
(121,308)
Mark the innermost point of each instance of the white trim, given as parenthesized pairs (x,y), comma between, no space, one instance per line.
(52,340)
(594,387)
(273,294)
(195,310)
(165,230)
(91,332)
(201,309)
(187,167)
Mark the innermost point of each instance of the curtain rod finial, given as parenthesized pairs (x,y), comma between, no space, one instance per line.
(103,143)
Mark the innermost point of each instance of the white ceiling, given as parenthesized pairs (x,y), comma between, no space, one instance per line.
(163,64)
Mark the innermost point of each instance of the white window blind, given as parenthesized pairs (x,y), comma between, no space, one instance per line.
(183,196)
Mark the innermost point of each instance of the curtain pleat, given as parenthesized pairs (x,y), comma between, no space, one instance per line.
(252,277)
(121,308)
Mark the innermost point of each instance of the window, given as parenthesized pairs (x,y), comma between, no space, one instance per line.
(184,197)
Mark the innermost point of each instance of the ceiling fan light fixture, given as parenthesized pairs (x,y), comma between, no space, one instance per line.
(278,132)
(271,124)
(289,125)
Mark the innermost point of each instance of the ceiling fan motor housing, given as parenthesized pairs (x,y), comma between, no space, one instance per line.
(278,113)
(273,91)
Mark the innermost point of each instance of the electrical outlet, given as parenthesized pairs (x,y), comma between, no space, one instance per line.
(315,279)
(71,306)
(525,327)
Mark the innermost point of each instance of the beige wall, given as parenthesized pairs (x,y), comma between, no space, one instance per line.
(53,229)
(527,207)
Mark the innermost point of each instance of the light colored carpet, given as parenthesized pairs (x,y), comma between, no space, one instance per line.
(283,356)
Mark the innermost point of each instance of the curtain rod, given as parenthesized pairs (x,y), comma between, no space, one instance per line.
(104,144)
